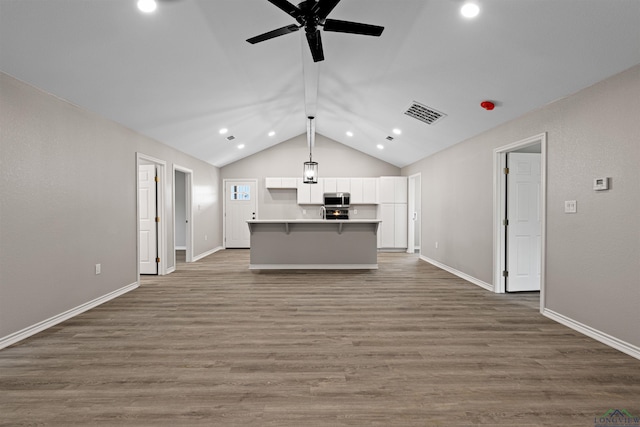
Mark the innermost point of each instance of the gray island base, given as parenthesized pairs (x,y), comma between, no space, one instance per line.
(313,244)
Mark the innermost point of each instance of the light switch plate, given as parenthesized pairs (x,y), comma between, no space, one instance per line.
(570,206)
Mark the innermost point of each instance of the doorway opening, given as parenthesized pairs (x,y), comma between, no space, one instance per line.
(511,245)
(182,215)
(150,212)
(414,233)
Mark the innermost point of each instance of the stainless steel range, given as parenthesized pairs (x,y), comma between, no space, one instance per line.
(336,206)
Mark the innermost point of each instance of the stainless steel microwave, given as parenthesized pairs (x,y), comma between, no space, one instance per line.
(337,200)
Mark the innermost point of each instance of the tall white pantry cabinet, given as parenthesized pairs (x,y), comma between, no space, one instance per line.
(392,210)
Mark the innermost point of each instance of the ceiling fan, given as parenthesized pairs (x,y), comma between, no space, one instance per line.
(312,14)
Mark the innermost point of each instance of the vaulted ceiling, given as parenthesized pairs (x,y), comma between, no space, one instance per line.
(182,73)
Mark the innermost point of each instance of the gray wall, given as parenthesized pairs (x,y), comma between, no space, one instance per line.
(286,159)
(68,202)
(593,257)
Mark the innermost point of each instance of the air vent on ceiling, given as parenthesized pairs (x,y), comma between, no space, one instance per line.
(390,138)
(231,138)
(425,114)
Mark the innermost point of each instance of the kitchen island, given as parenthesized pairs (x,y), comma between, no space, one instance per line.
(314,244)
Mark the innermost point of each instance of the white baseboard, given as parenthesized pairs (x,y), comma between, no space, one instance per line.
(460,274)
(180,248)
(313,266)
(597,335)
(170,270)
(206,254)
(59,318)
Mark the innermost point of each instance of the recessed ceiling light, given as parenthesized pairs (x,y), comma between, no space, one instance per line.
(241,146)
(397,131)
(349,133)
(223,131)
(272,133)
(380,146)
(470,10)
(147,6)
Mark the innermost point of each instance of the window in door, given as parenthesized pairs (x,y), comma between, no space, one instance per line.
(240,192)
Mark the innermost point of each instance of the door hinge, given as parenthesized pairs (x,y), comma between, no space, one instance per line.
(157,259)
(505,273)
(505,222)
(157,219)
(157,178)
(506,171)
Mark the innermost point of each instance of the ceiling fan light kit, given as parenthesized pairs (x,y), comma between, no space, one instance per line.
(312,15)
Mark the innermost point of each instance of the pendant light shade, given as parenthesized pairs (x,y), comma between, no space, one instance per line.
(310,172)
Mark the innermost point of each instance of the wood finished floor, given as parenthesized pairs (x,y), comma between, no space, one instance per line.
(215,344)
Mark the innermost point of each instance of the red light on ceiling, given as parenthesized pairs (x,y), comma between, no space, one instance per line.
(488,105)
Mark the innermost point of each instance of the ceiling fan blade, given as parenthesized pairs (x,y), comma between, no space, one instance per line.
(287,7)
(275,33)
(324,8)
(352,27)
(315,44)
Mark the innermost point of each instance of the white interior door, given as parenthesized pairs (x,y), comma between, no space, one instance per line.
(147,209)
(524,229)
(240,206)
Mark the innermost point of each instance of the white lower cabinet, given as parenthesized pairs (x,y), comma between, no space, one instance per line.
(393,229)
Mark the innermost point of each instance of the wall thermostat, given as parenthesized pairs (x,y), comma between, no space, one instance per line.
(601,184)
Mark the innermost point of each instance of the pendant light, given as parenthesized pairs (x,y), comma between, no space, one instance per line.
(310,172)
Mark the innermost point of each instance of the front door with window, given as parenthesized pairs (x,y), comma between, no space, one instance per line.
(240,206)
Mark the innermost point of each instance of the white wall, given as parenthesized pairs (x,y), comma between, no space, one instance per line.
(68,202)
(593,257)
(286,160)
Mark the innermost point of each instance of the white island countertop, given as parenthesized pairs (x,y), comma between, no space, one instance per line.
(313,243)
(338,222)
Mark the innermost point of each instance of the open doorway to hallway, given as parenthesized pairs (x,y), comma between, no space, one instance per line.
(182,215)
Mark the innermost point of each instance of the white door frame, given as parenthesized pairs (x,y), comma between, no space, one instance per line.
(224,203)
(411,230)
(161,166)
(188,208)
(499,200)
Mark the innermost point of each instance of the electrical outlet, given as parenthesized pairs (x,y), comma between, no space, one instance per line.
(98,268)
(570,206)
(205,237)
(355,211)
(436,245)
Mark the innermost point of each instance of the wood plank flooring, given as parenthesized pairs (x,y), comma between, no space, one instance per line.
(215,344)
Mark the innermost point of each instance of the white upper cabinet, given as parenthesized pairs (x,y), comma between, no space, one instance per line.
(337,185)
(277,182)
(393,189)
(330,185)
(343,185)
(370,190)
(310,194)
(364,191)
